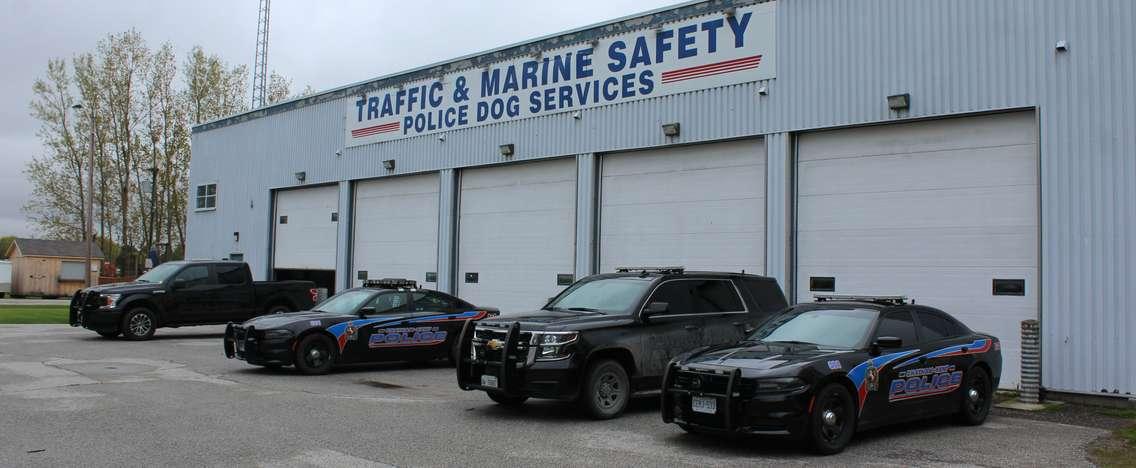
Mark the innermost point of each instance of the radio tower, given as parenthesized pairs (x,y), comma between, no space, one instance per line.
(260,65)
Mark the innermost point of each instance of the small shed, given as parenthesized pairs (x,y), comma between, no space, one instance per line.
(43,267)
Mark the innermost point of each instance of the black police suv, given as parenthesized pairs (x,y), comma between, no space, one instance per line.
(179,294)
(823,370)
(608,337)
(385,320)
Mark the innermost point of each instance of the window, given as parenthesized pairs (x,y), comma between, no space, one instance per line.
(346,302)
(72,271)
(387,303)
(207,197)
(899,325)
(699,296)
(767,294)
(836,328)
(432,302)
(933,326)
(194,275)
(608,296)
(230,274)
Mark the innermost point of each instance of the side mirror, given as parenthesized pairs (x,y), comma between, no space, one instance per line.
(179,284)
(367,311)
(655,308)
(889,342)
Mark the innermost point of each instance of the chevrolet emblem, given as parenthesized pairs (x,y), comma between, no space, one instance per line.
(495,344)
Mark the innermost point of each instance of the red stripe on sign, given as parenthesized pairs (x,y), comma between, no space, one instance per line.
(729,66)
(372,130)
(695,69)
(728,70)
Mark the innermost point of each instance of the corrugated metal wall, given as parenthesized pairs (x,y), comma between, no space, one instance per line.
(837,60)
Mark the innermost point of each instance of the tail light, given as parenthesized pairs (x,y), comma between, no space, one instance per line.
(315,295)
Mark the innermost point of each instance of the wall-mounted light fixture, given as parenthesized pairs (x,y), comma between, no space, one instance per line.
(1062,45)
(762,90)
(899,101)
(388,164)
(730,12)
(671,129)
(338,153)
(576,115)
(506,150)
(301,176)
(441,137)
(236,236)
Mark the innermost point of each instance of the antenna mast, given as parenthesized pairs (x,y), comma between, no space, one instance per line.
(260,65)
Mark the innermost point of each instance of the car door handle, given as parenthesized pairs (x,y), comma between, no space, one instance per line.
(691,327)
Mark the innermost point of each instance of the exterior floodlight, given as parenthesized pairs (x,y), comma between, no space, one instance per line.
(671,129)
(301,176)
(388,164)
(506,150)
(899,101)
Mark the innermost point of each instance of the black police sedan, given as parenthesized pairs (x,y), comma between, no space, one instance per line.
(386,320)
(824,370)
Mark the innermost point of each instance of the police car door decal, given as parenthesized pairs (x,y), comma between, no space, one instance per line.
(932,380)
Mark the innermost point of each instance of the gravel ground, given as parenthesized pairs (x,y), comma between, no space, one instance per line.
(68,397)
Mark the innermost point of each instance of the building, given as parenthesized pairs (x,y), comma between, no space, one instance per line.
(49,268)
(975,155)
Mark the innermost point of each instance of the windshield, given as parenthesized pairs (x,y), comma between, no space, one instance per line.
(607,296)
(829,328)
(160,273)
(344,303)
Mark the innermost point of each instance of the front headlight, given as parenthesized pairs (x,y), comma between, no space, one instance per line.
(109,301)
(277,334)
(779,384)
(551,346)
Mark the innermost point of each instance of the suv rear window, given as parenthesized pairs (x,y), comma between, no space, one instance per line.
(695,296)
(767,294)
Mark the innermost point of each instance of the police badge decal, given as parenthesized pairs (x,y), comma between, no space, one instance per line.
(873,377)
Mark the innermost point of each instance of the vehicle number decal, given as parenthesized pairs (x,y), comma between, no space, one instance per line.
(410,336)
(924,381)
(834,365)
(314,323)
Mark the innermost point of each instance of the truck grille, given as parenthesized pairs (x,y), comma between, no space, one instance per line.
(483,335)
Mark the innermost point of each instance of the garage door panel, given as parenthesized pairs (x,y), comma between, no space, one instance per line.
(963,168)
(921,137)
(701,206)
(517,232)
(307,241)
(396,228)
(951,247)
(988,206)
(932,210)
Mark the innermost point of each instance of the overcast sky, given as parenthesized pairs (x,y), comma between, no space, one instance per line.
(324,44)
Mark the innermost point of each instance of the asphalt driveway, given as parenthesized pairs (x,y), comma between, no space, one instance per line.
(70,397)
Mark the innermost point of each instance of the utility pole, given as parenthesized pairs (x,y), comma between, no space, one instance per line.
(260,64)
(88,230)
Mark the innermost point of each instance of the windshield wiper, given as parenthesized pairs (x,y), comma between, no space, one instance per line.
(794,342)
(140,280)
(584,309)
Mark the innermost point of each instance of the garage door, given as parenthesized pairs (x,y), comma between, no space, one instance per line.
(396,229)
(304,235)
(516,233)
(700,206)
(939,211)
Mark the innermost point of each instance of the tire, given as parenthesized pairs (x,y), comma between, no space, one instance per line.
(833,422)
(108,335)
(277,309)
(506,400)
(315,354)
(606,389)
(977,395)
(139,324)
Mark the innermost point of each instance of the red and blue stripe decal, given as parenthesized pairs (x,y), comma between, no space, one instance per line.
(978,346)
(859,374)
(339,330)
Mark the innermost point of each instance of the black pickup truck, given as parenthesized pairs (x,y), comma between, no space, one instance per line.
(177,294)
(609,337)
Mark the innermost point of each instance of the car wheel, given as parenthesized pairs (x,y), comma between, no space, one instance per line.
(976,397)
(278,309)
(139,324)
(315,354)
(833,421)
(109,334)
(606,389)
(506,400)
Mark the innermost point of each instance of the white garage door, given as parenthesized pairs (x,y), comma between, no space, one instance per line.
(304,236)
(700,206)
(933,210)
(516,233)
(396,229)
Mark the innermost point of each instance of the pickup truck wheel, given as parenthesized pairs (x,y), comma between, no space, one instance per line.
(278,309)
(139,324)
(315,355)
(506,400)
(606,389)
(109,334)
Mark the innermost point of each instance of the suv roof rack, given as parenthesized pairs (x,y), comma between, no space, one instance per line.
(665,270)
(391,283)
(875,299)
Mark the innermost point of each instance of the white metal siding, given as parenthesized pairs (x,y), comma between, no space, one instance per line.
(308,240)
(396,228)
(933,210)
(516,229)
(700,206)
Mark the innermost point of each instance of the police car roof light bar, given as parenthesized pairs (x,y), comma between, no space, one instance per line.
(391,283)
(664,270)
(876,299)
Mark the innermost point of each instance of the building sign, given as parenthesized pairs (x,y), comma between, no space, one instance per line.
(710,51)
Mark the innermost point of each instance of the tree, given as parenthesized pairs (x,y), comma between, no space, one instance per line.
(278,89)
(5,242)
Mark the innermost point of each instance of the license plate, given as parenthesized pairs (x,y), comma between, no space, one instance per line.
(704,405)
(489,381)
